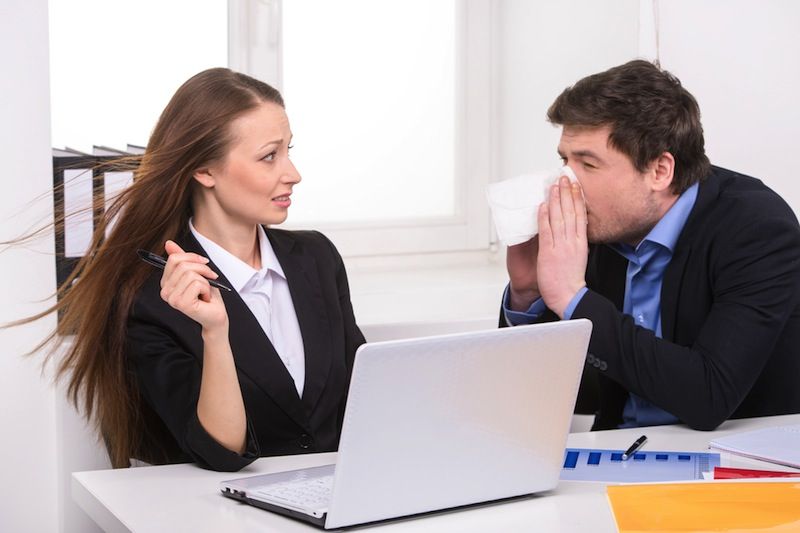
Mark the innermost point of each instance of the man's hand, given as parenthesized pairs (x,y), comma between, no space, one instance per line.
(563,247)
(521,266)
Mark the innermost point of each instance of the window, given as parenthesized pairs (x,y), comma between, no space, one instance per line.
(115,65)
(389,101)
(389,105)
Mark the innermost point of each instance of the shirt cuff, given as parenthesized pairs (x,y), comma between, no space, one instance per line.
(517,318)
(574,303)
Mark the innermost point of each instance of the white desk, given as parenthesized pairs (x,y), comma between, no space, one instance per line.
(186,498)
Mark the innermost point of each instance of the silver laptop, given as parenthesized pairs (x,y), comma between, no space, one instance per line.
(440,422)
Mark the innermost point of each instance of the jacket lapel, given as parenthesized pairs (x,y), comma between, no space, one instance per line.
(670,289)
(673,277)
(301,271)
(253,352)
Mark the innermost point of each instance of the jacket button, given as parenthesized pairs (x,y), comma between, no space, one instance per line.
(305,441)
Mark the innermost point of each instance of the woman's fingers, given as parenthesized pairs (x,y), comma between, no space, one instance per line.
(185,287)
(179,268)
(190,281)
(172,247)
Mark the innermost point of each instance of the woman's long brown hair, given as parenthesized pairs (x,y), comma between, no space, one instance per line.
(192,132)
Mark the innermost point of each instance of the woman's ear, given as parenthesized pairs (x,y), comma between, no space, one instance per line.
(663,171)
(205,177)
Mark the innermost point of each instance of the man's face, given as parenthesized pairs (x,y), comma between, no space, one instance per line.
(621,206)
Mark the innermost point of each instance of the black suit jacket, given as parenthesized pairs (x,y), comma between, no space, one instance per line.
(730,315)
(165,353)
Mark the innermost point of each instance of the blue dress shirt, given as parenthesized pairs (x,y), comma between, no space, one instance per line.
(647,263)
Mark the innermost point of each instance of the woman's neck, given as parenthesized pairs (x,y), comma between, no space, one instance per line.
(240,241)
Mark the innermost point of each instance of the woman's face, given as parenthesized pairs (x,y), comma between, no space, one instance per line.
(253,183)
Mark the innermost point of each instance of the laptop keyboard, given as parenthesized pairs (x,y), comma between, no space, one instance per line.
(314,493)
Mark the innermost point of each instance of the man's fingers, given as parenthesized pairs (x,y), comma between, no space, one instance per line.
(555,216)
(580,211)
(567,206)
(545,232)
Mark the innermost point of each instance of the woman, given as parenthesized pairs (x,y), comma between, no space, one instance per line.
(180,371)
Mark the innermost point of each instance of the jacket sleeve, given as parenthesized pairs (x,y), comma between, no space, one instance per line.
(353,336)
(753,277)
(169,374)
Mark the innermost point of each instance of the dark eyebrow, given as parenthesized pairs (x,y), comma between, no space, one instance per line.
(581,153)
(586,153)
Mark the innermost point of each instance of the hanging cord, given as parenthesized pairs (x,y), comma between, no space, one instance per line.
(657,30)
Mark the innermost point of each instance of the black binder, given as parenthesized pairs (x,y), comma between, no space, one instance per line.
(79,166)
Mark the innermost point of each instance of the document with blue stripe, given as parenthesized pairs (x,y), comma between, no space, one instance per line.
(583,464)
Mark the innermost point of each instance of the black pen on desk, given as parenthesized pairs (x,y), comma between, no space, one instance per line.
(159,262)
(635,447)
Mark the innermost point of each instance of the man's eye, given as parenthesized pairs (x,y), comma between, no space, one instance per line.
(589,165)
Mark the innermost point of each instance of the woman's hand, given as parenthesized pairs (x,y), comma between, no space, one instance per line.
(185,287)
(220,407)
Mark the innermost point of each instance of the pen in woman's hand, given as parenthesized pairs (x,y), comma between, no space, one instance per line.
(159,262)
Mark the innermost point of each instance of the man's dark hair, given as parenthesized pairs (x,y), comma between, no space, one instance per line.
(649,113)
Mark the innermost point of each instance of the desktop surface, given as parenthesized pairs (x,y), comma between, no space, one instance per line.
(187,498)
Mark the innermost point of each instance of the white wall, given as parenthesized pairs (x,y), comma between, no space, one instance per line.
(28,494)
(77,449)
(738,58)
(741,60)
(543,47)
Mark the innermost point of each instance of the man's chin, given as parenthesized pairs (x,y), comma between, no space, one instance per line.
(602,238)
(595,237)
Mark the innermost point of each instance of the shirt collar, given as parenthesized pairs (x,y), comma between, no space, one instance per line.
(669,228)
(237,271)
(268,258)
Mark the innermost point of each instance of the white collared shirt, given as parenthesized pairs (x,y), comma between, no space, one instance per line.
(266,294)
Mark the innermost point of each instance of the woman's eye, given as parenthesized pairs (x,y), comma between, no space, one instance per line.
(269,157)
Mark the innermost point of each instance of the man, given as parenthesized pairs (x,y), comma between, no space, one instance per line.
(690,273)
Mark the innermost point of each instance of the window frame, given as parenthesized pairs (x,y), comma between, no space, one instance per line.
(469,228)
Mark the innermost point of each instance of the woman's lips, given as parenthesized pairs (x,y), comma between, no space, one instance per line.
(283,201)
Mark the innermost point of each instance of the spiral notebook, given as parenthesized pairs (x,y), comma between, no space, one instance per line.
(779,445)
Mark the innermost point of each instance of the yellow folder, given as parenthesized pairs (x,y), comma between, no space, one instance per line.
(732,506)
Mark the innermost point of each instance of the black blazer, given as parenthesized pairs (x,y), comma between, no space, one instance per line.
(165,354)
(730,315)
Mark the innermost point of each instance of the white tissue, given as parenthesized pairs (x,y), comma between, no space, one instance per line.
(515,203)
